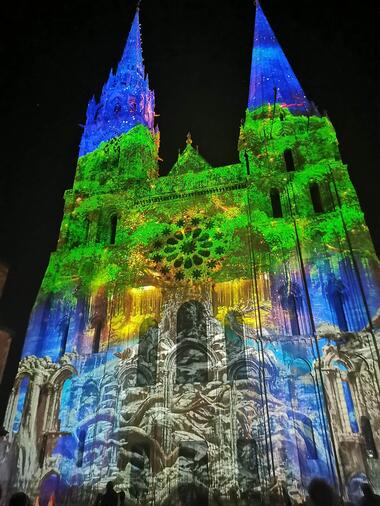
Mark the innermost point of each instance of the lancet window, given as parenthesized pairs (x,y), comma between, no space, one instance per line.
(289,162)
(113,228)
(276,203)
(346,397)
(192,363)
(291,302)
(22,393)
(49,489)
(336,293)
(64,326)
(316,199)
(235,346)
(65,406)
(98,326)
(147,353)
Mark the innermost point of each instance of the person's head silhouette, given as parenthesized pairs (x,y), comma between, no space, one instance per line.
(367,490)
(19,499)
(109,486)
(320,492)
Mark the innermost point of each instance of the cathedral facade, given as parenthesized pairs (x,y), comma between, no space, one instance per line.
(215,327)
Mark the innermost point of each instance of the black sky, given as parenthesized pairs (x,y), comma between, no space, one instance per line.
(197,52)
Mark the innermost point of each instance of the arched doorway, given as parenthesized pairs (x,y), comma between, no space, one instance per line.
(49,488)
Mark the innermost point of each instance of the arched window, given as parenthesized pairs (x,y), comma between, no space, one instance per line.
(64,326)
(316,200)
(291,302)
(366,430)
(81,447)
(98,326)
(289,162)
(346,395)
(113,228)
(21,401)
(65,406)
(147,354)
(336,296)
(49,489)
(235,348)
(305,428)
(276,203)
(192,364)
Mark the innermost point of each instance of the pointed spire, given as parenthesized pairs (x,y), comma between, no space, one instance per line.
(271,71)
(132,56)
(126,100)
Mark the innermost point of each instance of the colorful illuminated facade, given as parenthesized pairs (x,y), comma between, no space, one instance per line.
(217,326)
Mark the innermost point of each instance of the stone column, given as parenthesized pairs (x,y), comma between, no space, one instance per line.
(11,410)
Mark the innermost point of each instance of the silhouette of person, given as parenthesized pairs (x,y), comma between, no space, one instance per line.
(110,498)
(19,499)
(320,493)
(121,498)
(98,500)
(369,497)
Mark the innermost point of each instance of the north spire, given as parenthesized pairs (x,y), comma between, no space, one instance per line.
(271,71)
(126,100)
(132,56)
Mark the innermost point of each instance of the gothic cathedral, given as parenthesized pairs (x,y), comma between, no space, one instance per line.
(218,326)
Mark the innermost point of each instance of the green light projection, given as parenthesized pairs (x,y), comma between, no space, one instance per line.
(164,230)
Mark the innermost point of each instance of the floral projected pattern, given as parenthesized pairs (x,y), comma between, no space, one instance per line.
(190,249)
(213,333)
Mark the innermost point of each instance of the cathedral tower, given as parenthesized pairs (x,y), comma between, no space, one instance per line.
(214,329)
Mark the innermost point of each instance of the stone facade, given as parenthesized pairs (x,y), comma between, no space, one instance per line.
(216,327)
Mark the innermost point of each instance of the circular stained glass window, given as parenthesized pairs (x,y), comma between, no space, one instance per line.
(190,248)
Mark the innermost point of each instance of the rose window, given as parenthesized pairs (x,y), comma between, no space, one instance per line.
(190,248)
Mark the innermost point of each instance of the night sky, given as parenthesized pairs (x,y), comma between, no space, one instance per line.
(197,52)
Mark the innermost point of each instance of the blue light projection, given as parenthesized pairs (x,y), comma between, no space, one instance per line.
(225,378)
(126,100)
(347,396)
(271,69)
(23,390)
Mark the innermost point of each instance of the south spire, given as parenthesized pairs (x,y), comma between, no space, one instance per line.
(271,71)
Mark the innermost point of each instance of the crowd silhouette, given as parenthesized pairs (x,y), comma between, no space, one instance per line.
(320,493)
